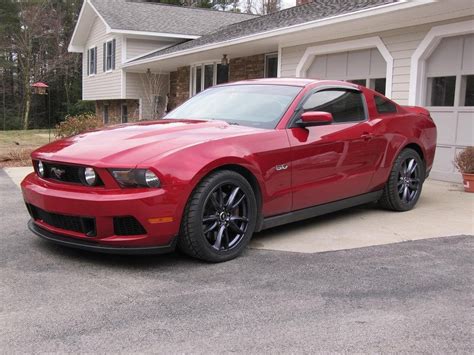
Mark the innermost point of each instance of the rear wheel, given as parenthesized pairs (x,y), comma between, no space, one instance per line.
(403,188)
(220,218)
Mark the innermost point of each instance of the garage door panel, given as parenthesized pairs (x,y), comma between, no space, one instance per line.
(446,56)
(378,66)
(465,131)
(443,161)
(336,66)
(358,63)
(318,68)
(468,55)
(446,124)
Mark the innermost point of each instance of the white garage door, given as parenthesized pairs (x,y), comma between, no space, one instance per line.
(450,99)
(364,67)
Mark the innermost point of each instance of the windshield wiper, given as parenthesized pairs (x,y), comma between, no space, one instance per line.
(234,123)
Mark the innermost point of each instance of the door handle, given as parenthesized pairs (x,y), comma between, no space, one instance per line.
(367,136)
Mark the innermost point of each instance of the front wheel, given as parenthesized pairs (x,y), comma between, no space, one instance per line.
(403,188)
(220,218)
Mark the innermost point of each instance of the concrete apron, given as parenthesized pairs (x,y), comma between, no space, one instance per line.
(443,210)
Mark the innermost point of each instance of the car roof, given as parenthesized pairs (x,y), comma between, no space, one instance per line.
(302,82)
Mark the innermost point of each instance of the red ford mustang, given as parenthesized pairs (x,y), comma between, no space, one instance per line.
(231,161)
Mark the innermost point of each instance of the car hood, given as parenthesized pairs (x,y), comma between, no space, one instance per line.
(128,145)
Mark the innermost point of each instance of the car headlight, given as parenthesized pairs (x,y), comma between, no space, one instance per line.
(90,177)
(40,168)
(136,178)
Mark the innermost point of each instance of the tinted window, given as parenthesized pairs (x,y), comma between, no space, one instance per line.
(469,94)
(442,90)
(344,105)
(384,106)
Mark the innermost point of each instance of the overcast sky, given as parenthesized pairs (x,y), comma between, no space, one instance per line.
(287,3)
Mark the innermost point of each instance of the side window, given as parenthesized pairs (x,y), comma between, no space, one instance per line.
(92,61)
(344,105)
(384,106)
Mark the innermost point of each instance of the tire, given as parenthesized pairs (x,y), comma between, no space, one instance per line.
(404,185)
(219,218)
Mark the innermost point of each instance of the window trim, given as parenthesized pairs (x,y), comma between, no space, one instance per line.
(269,55)
(297,113)
(89,66)
(122,106)
(112,55)
(202,65)
(418,84)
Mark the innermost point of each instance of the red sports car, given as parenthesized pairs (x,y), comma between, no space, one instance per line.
(231,161)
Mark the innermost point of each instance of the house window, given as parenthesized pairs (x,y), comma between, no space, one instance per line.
(271,65)
(92,61)
(344,105)
(206,75)
(124,113)
(468,89)
(109,55)
(441,90)
(374,84)
(105,115)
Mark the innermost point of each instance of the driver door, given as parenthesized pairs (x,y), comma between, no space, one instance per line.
(335,161)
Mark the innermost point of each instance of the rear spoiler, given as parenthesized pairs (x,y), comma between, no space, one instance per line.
(417,109)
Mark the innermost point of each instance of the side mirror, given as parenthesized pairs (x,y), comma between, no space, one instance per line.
(315,118)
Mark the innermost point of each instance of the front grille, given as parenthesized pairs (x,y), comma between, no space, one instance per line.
(127,226)
(66,173)
(83,225)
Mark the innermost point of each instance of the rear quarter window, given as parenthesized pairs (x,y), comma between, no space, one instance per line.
(384,106)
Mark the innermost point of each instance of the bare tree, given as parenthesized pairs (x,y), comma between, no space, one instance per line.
(155,99)
(261,7)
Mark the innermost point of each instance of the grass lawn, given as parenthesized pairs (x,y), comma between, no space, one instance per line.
(16,146)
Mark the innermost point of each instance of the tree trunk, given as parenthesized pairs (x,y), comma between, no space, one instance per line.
(26,114)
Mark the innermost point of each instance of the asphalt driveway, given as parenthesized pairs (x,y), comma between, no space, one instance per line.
(406,297)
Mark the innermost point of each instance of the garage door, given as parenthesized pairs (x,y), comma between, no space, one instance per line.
(364,67)
(450,99)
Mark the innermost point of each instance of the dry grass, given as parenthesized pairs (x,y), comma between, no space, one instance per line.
(16,146)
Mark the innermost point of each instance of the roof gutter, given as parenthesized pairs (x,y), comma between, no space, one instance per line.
(402,4)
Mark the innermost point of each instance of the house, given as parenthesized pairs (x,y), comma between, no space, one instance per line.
(141,59)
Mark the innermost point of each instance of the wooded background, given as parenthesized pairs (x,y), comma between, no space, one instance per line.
(34,36)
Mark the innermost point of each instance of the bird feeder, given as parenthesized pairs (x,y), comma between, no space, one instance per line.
(39,88)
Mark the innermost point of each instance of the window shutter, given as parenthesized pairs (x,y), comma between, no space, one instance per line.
(88,63)
(113,54)
(95,60)
(104,58)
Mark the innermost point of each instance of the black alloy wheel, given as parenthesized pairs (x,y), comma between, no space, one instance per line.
(404,185)
(225,216)
(220,217)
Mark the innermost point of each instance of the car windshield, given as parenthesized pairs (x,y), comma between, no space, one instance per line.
(260,106)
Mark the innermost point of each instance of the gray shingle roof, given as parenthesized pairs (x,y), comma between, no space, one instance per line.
(154,17)
(318,9)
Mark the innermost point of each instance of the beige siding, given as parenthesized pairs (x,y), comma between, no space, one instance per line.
(401,43)
(136,47)
(136,85)
(102,86)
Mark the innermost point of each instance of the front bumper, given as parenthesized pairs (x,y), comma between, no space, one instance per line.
(157,210)
(90,246)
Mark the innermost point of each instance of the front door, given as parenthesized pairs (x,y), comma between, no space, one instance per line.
(335,161)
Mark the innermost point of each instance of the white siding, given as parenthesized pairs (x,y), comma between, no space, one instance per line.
(136,47)
(401,44)
(101,86)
